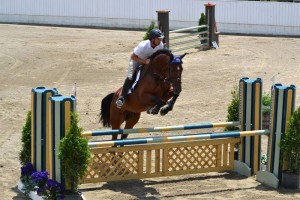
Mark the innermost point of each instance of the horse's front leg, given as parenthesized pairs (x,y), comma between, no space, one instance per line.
(155,109)
(169,106)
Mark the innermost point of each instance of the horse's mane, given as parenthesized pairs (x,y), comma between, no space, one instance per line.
(161,51)
(158,52)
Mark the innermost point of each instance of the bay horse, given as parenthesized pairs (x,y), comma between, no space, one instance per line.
(157,90)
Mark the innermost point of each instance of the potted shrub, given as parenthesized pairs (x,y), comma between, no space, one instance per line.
(266,109)
(74,154)
(290,148)
(233,115)
(25,153)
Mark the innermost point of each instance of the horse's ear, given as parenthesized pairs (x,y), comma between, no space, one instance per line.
(182,55)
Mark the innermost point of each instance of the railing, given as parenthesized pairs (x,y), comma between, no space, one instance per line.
(188,38)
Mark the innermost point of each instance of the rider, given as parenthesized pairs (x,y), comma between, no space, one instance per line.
(139,57)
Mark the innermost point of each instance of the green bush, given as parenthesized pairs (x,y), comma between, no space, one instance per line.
(266,103)
(201,21)
(290,144)
(233,109)
(25,153)
(152,26)
(74,154)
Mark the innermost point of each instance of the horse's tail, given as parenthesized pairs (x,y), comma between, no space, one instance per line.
(105,110)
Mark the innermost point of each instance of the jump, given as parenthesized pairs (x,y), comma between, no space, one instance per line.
(156,92)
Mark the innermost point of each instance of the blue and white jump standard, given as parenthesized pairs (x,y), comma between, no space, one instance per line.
(282,107)
(40,126)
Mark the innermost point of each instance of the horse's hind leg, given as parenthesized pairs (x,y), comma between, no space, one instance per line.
(130,122)
(116,119)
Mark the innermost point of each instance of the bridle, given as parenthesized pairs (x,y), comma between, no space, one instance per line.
(175,61)
(167,78)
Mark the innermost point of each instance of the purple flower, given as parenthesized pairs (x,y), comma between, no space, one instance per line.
(27,170)
(52,190)
(53,184)
(41,190)
(40,178)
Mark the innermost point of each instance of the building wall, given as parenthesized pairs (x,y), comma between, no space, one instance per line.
(245,17)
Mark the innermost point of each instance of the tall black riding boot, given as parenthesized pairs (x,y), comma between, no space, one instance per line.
(121,100)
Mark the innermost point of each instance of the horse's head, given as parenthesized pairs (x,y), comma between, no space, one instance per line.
(159,61)
(167,67)
(175,71)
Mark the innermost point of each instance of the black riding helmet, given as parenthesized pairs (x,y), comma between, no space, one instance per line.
(155,33)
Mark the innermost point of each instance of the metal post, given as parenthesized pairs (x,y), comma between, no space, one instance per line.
(210,21)
(163,24)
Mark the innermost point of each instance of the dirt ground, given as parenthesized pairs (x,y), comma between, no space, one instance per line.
(96,60)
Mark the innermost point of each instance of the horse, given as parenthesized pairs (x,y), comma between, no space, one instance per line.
(156,92)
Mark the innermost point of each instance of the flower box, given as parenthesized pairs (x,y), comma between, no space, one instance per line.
(33,195)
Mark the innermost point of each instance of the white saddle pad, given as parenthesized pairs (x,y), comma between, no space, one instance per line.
(135,82)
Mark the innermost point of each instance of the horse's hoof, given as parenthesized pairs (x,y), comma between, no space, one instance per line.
(163,111)
(154,110)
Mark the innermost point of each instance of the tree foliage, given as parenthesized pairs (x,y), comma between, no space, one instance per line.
(201,21)
(151,26)
(290,143)
(74,154)
(25,153)
(233,109)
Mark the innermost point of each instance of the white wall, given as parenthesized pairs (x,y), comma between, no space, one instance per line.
(246,17)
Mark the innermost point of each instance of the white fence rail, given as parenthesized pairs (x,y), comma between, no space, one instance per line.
(246,17)
(187,38)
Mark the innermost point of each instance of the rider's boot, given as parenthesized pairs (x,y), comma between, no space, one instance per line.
(121,100)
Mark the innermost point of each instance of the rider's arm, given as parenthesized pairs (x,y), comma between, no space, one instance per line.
(138,59)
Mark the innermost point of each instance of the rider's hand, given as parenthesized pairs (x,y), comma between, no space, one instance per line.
(147,61)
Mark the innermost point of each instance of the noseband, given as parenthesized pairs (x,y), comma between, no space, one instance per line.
(175,60)
(165,78)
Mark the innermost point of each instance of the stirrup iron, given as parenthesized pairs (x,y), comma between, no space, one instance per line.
(120,101)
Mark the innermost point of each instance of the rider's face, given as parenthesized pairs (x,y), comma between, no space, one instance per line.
(156,41)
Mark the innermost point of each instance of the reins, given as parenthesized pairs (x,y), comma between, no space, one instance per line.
(147,71)
(163,77)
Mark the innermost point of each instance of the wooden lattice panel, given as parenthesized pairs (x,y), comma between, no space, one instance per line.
(190,158)
(156,160)
(113,164)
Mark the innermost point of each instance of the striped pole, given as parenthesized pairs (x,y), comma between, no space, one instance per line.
(160,129)
(191,137)
(250,91)
(39,126)
(283,105)
(60,120)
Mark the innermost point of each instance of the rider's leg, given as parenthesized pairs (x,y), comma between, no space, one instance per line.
(126,86)
(127,83)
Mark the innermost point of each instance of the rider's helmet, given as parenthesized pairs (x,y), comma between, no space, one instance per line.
(156,33)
